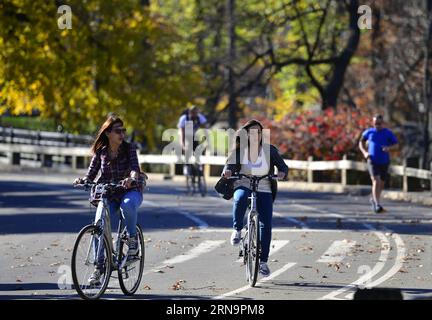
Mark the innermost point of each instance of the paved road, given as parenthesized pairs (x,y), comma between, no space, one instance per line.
(324,245)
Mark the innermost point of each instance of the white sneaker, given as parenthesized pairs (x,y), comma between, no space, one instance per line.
(235,237)
(95,277)
(264,269)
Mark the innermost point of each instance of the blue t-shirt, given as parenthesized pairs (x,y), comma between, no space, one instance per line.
(376,141)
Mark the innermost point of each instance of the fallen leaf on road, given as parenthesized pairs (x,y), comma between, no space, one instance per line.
(55,264)
(146,287)
(403,270)
(18,280)
(177,285)
(158,271)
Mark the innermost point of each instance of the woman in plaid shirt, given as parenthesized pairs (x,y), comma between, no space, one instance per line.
(117,162)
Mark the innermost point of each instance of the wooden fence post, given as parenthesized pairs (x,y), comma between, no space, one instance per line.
(344,173)
(405,178)
(309,170)
(172,170)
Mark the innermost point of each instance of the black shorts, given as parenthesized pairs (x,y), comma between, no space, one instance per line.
(380,170)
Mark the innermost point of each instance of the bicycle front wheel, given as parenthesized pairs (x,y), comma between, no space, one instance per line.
(131,268)
(91,252)
(202,185)
(253,245)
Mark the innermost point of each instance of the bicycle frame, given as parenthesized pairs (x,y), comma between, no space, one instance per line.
(104,224)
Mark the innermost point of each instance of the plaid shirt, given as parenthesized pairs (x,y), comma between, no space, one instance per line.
(114,170)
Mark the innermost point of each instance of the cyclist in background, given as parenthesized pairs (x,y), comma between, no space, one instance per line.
(117,162)
(252,159)
(194,117)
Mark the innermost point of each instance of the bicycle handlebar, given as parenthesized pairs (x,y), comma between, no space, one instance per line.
(88,184)
(241,175)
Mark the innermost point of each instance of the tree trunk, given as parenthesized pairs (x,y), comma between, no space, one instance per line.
(427,86)
(333,88)
(232,98)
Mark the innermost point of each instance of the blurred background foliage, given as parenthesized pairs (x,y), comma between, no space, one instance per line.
(303,67)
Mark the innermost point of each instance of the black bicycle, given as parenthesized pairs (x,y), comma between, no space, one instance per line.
(94,249)
(250,243)
(195,180)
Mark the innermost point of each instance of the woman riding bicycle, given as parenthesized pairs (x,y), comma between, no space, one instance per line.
(117,161)
(251,156)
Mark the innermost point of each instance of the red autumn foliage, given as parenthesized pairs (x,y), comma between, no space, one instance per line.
(326,135)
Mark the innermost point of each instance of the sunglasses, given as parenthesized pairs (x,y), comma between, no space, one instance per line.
(119,131)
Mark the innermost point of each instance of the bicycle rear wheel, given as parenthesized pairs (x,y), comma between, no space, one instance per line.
(131,268)
(202,185)
(253,245)
(91,250)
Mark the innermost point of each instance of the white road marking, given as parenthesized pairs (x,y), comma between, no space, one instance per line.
(292,220)
(337,251)
(200,223)
(366,278)
(275,246)
(203,247)
(272,276)
(396,267)
(323,211)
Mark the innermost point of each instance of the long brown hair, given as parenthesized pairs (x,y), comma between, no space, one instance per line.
(101,138)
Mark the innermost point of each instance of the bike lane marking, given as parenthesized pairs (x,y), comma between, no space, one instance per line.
(263,280)
(295,221)
(337,251)
(204,247)
(400,245)
(366,278)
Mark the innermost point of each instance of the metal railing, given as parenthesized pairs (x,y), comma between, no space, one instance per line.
(43,138)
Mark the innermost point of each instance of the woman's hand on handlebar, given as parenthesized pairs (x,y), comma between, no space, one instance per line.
(78,181)
(281,175)
(227,173)
(128,182)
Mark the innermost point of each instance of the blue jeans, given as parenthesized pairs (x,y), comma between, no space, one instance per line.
(265,210)
(129,205)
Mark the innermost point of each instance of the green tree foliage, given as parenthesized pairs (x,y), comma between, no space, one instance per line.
(116,58)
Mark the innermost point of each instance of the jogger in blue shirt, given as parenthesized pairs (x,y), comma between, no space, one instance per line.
(380,141)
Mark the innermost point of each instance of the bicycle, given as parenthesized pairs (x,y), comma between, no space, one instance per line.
(250,243)
(195,179)
(94,248)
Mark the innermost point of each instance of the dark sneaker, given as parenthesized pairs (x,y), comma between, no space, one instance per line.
(133,246)
(235,237)
(264,269)
(95,277)
(380,209)
(373,205)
